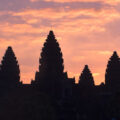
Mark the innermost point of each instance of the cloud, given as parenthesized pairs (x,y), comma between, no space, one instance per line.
(73,1)
(90,19)
(105,52)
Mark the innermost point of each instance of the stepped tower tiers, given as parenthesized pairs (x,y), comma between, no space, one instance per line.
(10,72)
(86,78)
(51,61)
(112,75)
(51,76)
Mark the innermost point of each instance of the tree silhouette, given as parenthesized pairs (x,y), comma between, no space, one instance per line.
(112,75)
(10,73)
(50,75)
(86,78)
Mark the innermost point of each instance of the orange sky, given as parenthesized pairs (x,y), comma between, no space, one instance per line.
(87,30)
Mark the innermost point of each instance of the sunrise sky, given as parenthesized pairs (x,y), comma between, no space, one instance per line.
(88,32)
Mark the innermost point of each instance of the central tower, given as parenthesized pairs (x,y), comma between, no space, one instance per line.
(51,61)
(50,77)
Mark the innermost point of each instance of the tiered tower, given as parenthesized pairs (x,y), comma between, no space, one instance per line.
(86,79)
(10,73)
(50,77)
(112,75)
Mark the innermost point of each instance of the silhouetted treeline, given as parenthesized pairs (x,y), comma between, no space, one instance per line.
(54,96)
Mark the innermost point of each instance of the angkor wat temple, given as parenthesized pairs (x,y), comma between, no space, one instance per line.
(55,96)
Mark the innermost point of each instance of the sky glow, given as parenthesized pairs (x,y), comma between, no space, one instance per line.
(88,32)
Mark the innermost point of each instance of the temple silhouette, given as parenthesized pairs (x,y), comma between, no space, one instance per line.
(52,95)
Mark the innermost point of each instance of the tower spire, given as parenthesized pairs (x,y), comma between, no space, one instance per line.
(86,78)
(10,72)
(51,67)
(112,75)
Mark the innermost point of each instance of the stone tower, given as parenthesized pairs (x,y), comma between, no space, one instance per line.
(10,72)
(50,77)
